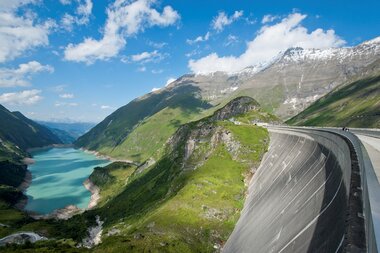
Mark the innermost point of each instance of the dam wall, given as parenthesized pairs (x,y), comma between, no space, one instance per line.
(299,198)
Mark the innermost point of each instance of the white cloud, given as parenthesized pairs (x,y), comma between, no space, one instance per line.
(199,39)
(7,5)
(66,95)
(83,13)
(19,31)
(193,53)
(157,71)
(22,75)
(268,43)
(124,19)
(157,44)
(169,81)
(269,18)
(68,22)
(59,104)
(84,10)
(65,2)
(222,20)
(106,107)
(26,97)
(231,39)
(145,57)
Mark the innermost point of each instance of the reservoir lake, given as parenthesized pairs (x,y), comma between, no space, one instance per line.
(57,179)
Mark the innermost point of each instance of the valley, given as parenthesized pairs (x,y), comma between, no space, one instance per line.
(163,126)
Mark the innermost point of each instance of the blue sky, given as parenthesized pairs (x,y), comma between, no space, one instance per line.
(79,60)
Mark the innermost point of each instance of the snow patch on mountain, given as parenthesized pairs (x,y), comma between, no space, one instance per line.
(299,54)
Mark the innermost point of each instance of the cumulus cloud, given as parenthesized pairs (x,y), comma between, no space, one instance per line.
(146,56)
(83,13)
(269,18)
(169,81)
(14,4)
(66,95)
(124,18)
(268,43)
(21,76)
(199,39)
(19,33)
(26,97)
(222,20)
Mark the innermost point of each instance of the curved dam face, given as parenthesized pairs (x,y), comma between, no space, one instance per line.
(298,198)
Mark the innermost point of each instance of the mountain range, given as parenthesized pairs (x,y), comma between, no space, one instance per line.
(67,132)
(192,147)
(285,86)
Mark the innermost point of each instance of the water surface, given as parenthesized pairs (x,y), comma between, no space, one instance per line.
(57,179)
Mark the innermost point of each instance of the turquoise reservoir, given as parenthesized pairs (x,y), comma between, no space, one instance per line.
(57,179)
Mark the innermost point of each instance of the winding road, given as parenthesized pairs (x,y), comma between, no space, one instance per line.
(316,190)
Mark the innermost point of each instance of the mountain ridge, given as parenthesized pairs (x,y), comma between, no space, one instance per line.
(285,87)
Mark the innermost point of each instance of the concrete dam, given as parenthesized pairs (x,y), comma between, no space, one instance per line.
(308,195)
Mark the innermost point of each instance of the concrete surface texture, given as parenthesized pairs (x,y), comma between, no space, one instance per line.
(298,198)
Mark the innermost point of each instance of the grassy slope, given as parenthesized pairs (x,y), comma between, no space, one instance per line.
(148,138)
(23,132)
(355,105)
(109,135)
(168,210)
(111,179)
(257,116)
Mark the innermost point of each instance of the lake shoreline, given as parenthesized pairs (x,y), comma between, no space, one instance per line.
(47,147)
(109,158)
(69,210)
(21,204)
(95,193)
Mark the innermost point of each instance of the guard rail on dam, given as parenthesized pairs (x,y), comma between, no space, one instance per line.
(310,194)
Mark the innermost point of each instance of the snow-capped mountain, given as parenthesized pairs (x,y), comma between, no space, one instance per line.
(291,81)
(299,54)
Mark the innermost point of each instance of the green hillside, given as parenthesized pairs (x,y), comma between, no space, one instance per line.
(354,105)
(136,131)
(23,132)
(17,134)
(188,201)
